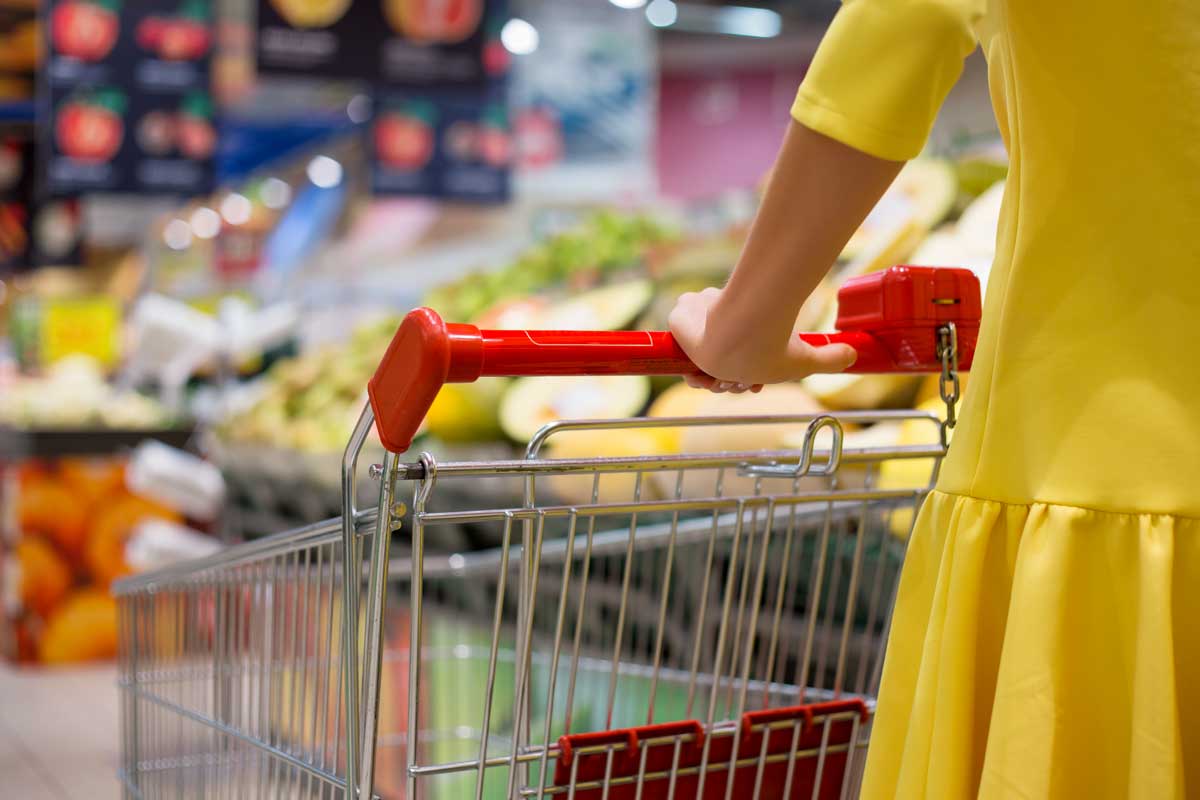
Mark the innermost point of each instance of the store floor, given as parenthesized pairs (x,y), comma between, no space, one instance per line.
(59,733)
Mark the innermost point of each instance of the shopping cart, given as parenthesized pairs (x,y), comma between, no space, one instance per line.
(703,625)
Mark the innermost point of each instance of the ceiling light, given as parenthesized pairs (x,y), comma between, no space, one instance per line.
(519,37)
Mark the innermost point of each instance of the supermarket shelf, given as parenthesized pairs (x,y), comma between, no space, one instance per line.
(16,444)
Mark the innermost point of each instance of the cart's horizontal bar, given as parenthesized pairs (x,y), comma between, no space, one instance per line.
(853,417)
(314,535)
(699,504)
(614,542)
(659,463)
(220,727)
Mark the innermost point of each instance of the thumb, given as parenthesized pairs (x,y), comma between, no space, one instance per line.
(830,358)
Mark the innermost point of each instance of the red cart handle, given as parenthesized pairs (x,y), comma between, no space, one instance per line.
(890,318)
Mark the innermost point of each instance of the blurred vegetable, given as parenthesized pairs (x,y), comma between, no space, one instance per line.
(75,394)
(605,243)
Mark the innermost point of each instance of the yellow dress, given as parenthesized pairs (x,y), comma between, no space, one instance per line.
(1046,639)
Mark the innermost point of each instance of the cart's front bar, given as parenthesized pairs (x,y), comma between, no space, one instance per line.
(892,319)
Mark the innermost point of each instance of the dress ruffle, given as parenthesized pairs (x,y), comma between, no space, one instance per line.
(1042,651)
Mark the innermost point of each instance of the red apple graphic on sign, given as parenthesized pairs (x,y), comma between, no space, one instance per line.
(89,127)
(84,29)
(149,32)
(404,136)
(495,143)
(430,21)
(194,130)
(183,36)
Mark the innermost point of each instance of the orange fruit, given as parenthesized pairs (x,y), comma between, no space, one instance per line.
(83,628)
(47,507)
(44,577)
(112,523)
(93,478)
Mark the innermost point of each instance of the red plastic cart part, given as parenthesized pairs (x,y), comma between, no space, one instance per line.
(890,318)
(653,752)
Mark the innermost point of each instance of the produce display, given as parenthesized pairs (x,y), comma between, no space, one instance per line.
(310,403)
(74,394)
(71,523)
(614,272)
(604,245)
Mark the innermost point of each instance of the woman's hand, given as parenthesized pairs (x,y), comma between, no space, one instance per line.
(738,352)
(742,336)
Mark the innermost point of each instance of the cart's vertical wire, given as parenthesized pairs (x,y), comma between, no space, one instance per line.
(564,590)
(702,612)
(881,567)
(718,657)
(813,605)
(621,611)
(831,605)
(820,772)
(373,624)
(583,587)
(661,626)
(339,695)
(752,628)
(308,741)
(851,757)
(493,652)
(781,583)
(350,589)
(851,598)
(793,755)
(521,701)
(238,688)
(266,572)
(325,588)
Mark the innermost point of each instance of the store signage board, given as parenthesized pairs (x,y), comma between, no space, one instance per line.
(83,326)
(47,330)
(411,43)
(452,146)
(436,72)
(452,140)
(124,99)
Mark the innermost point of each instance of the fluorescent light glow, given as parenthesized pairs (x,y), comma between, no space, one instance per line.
(205,223)
(519,37)
(662,13)
(359,108)
(276,193)
(628,3)
(235,208)
(761,23)
(177,234)
(324,172)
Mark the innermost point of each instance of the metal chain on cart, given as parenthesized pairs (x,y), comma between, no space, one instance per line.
(948,386)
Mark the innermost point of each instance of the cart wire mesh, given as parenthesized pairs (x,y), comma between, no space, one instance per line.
(689,625)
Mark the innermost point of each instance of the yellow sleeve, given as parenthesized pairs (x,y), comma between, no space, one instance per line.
(883,70)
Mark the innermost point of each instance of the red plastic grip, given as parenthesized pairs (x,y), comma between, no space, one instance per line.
(620,756)
(890,318)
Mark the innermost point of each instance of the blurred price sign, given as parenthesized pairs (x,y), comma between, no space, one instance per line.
(88,326)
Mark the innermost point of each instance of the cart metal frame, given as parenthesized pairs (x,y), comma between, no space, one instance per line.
(261,671)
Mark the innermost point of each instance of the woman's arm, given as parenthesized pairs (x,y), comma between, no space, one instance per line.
(819,192)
